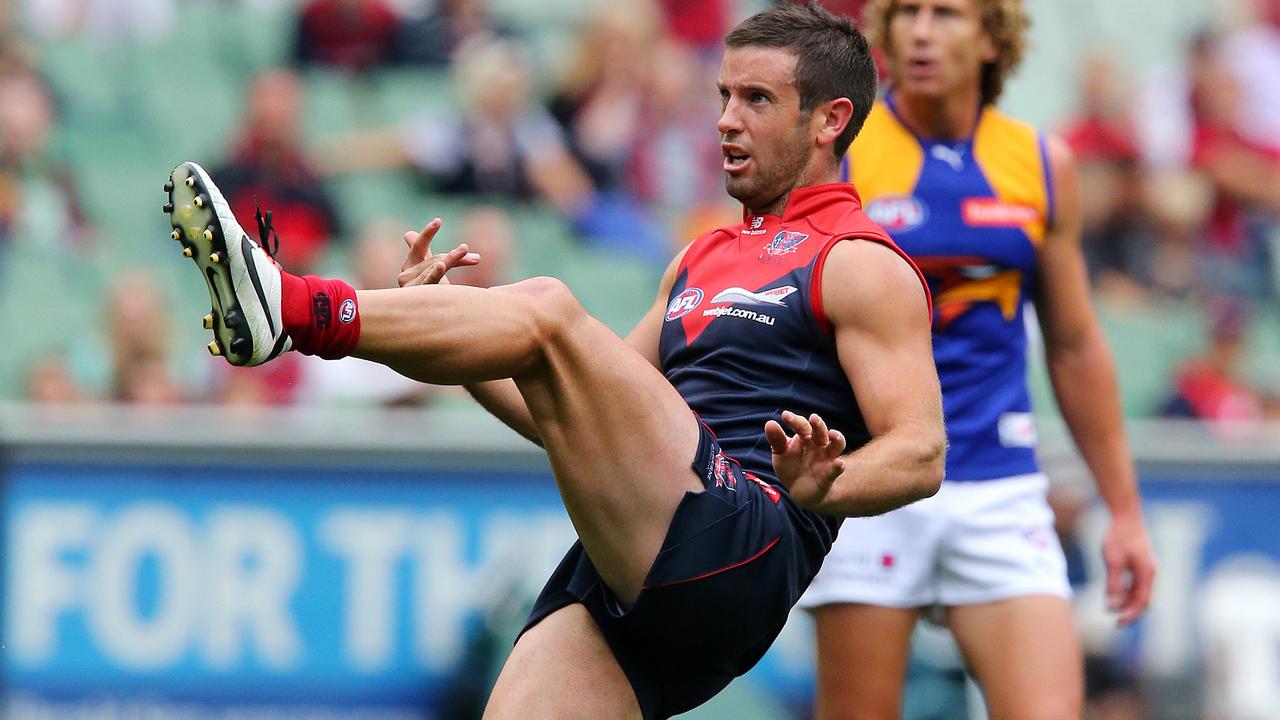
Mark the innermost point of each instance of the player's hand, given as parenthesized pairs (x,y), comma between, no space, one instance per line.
(1131,567)
(807,462)
(420,267)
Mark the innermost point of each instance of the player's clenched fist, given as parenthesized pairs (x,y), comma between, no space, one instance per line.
(808,461)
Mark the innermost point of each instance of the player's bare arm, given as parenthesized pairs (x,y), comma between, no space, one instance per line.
(878,311)
(1084,383)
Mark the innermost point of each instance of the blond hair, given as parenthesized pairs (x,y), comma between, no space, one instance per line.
(1004,21)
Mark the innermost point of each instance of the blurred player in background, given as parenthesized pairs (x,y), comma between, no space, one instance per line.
(988,208)
(693,544)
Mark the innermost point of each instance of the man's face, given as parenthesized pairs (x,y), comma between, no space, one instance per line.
(936,47)
(765,138)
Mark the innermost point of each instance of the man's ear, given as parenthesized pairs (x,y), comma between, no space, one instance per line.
(989,52)
(830,119)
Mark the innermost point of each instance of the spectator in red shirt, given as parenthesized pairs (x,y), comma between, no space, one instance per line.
(349,34)
(1117,238)
(1246,181)
(700,24)
(1210,387)
(269,166)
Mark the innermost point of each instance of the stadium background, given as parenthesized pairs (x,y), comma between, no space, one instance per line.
(323,540)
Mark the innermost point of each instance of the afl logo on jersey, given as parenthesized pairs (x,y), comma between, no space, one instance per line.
(683,304)
(898,213)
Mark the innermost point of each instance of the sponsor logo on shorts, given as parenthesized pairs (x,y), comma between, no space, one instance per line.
(869,567)
(347,312)
(1037,536)
(993,212)
(898,213)
(770,491)
(683,304)
(782,244)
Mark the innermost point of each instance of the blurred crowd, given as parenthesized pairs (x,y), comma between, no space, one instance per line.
(1180,173)
(1180,182)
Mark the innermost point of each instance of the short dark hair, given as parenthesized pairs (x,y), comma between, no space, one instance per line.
(833,59)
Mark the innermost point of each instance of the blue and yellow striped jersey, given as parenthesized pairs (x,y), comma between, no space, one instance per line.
(972,214)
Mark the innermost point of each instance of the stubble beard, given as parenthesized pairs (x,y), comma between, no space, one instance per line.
(770,181)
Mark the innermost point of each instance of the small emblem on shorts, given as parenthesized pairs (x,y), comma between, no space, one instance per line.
(886,561)
(770,491)
(684,303)
(721,473)
(347,312)
(1037,536)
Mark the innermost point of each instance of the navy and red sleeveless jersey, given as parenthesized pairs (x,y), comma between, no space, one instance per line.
(745,336)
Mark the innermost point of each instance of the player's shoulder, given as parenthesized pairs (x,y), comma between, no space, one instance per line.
(848,221)
(999,132)
(715,235)
(875,258)
(1050,151)
(866,272)
(705,242)
(1001,121)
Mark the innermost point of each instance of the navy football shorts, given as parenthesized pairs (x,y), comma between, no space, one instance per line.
(730,569)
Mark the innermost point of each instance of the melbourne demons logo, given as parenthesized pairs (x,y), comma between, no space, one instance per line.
(683,304)
(784,243)
(721,472)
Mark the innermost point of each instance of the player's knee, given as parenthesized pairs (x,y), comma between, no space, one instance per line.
(553,307)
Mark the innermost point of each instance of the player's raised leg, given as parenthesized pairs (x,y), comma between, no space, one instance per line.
(620,438)
(1025,654)
(863,652)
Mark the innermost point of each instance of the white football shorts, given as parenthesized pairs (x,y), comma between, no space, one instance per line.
(973,542)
